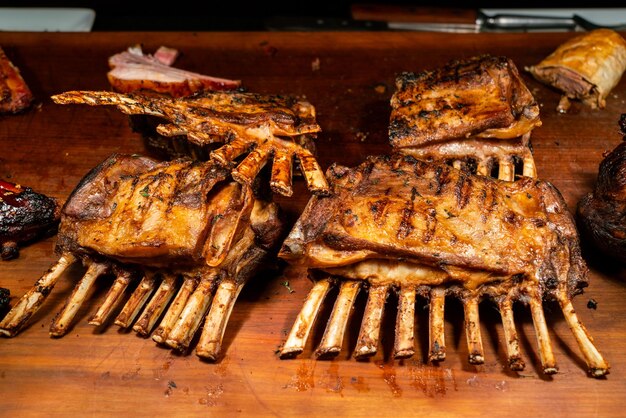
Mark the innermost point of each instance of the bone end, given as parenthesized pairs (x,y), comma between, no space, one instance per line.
(476,358)
(290,352)
(437,353)
(594,372)
(516,364)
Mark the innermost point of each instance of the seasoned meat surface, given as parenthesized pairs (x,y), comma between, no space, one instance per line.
(136,210)
(480,97)
(400,208)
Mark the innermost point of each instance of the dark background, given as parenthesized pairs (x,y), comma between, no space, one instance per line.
(255,15)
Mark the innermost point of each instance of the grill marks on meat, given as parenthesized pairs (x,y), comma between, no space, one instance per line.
(132,70)
(24,216)
(261,127)
(15,95)
(434,241)
(477,110)
(183,234)
(602,213)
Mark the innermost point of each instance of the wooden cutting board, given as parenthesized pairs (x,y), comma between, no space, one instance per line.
(349,77)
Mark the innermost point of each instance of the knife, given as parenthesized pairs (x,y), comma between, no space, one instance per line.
(484,23)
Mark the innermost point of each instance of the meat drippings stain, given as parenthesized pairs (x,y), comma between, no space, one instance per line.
(389,376)
(303,380)
(331,380)
(431,380)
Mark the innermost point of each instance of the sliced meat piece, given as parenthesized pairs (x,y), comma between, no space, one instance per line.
(132,70)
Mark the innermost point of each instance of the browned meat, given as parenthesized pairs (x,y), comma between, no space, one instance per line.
(15,95)
(584,68)
(262,126)
(420,228)
(602,213)
(132,70)
(24,216)
(184,228)
(478,109)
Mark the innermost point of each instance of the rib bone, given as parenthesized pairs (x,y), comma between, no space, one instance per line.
(546,355)
(210,342)
(405,324)
(61,322)
(369,335)
(510,335)
(17,317)
(112,298)
(174,311)
(597,365)
(136,301)
(156,306)
(299,334)
(472,331)
(436,334)
(189,320)
(336,327)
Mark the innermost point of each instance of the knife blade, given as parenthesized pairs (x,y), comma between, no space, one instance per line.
(501,22)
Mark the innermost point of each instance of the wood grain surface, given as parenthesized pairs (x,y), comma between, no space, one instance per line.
(349,78)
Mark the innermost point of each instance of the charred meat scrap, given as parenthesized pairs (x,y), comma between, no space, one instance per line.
(418,228)
(250,128)
(183,233)
(25,215)
(476,112)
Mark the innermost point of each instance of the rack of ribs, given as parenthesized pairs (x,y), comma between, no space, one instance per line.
(395,223)
(261,127)
(476,112)
(183,233)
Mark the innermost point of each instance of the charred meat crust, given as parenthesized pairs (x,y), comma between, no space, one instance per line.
(434,215)
(601,214)
(24,215)
(481,96)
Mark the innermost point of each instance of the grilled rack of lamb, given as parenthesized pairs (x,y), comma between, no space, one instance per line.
(262,126)
(475,112)
(185,229)
(399,224)
(132,70)
(602,213)
(15,95)
(24,216)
